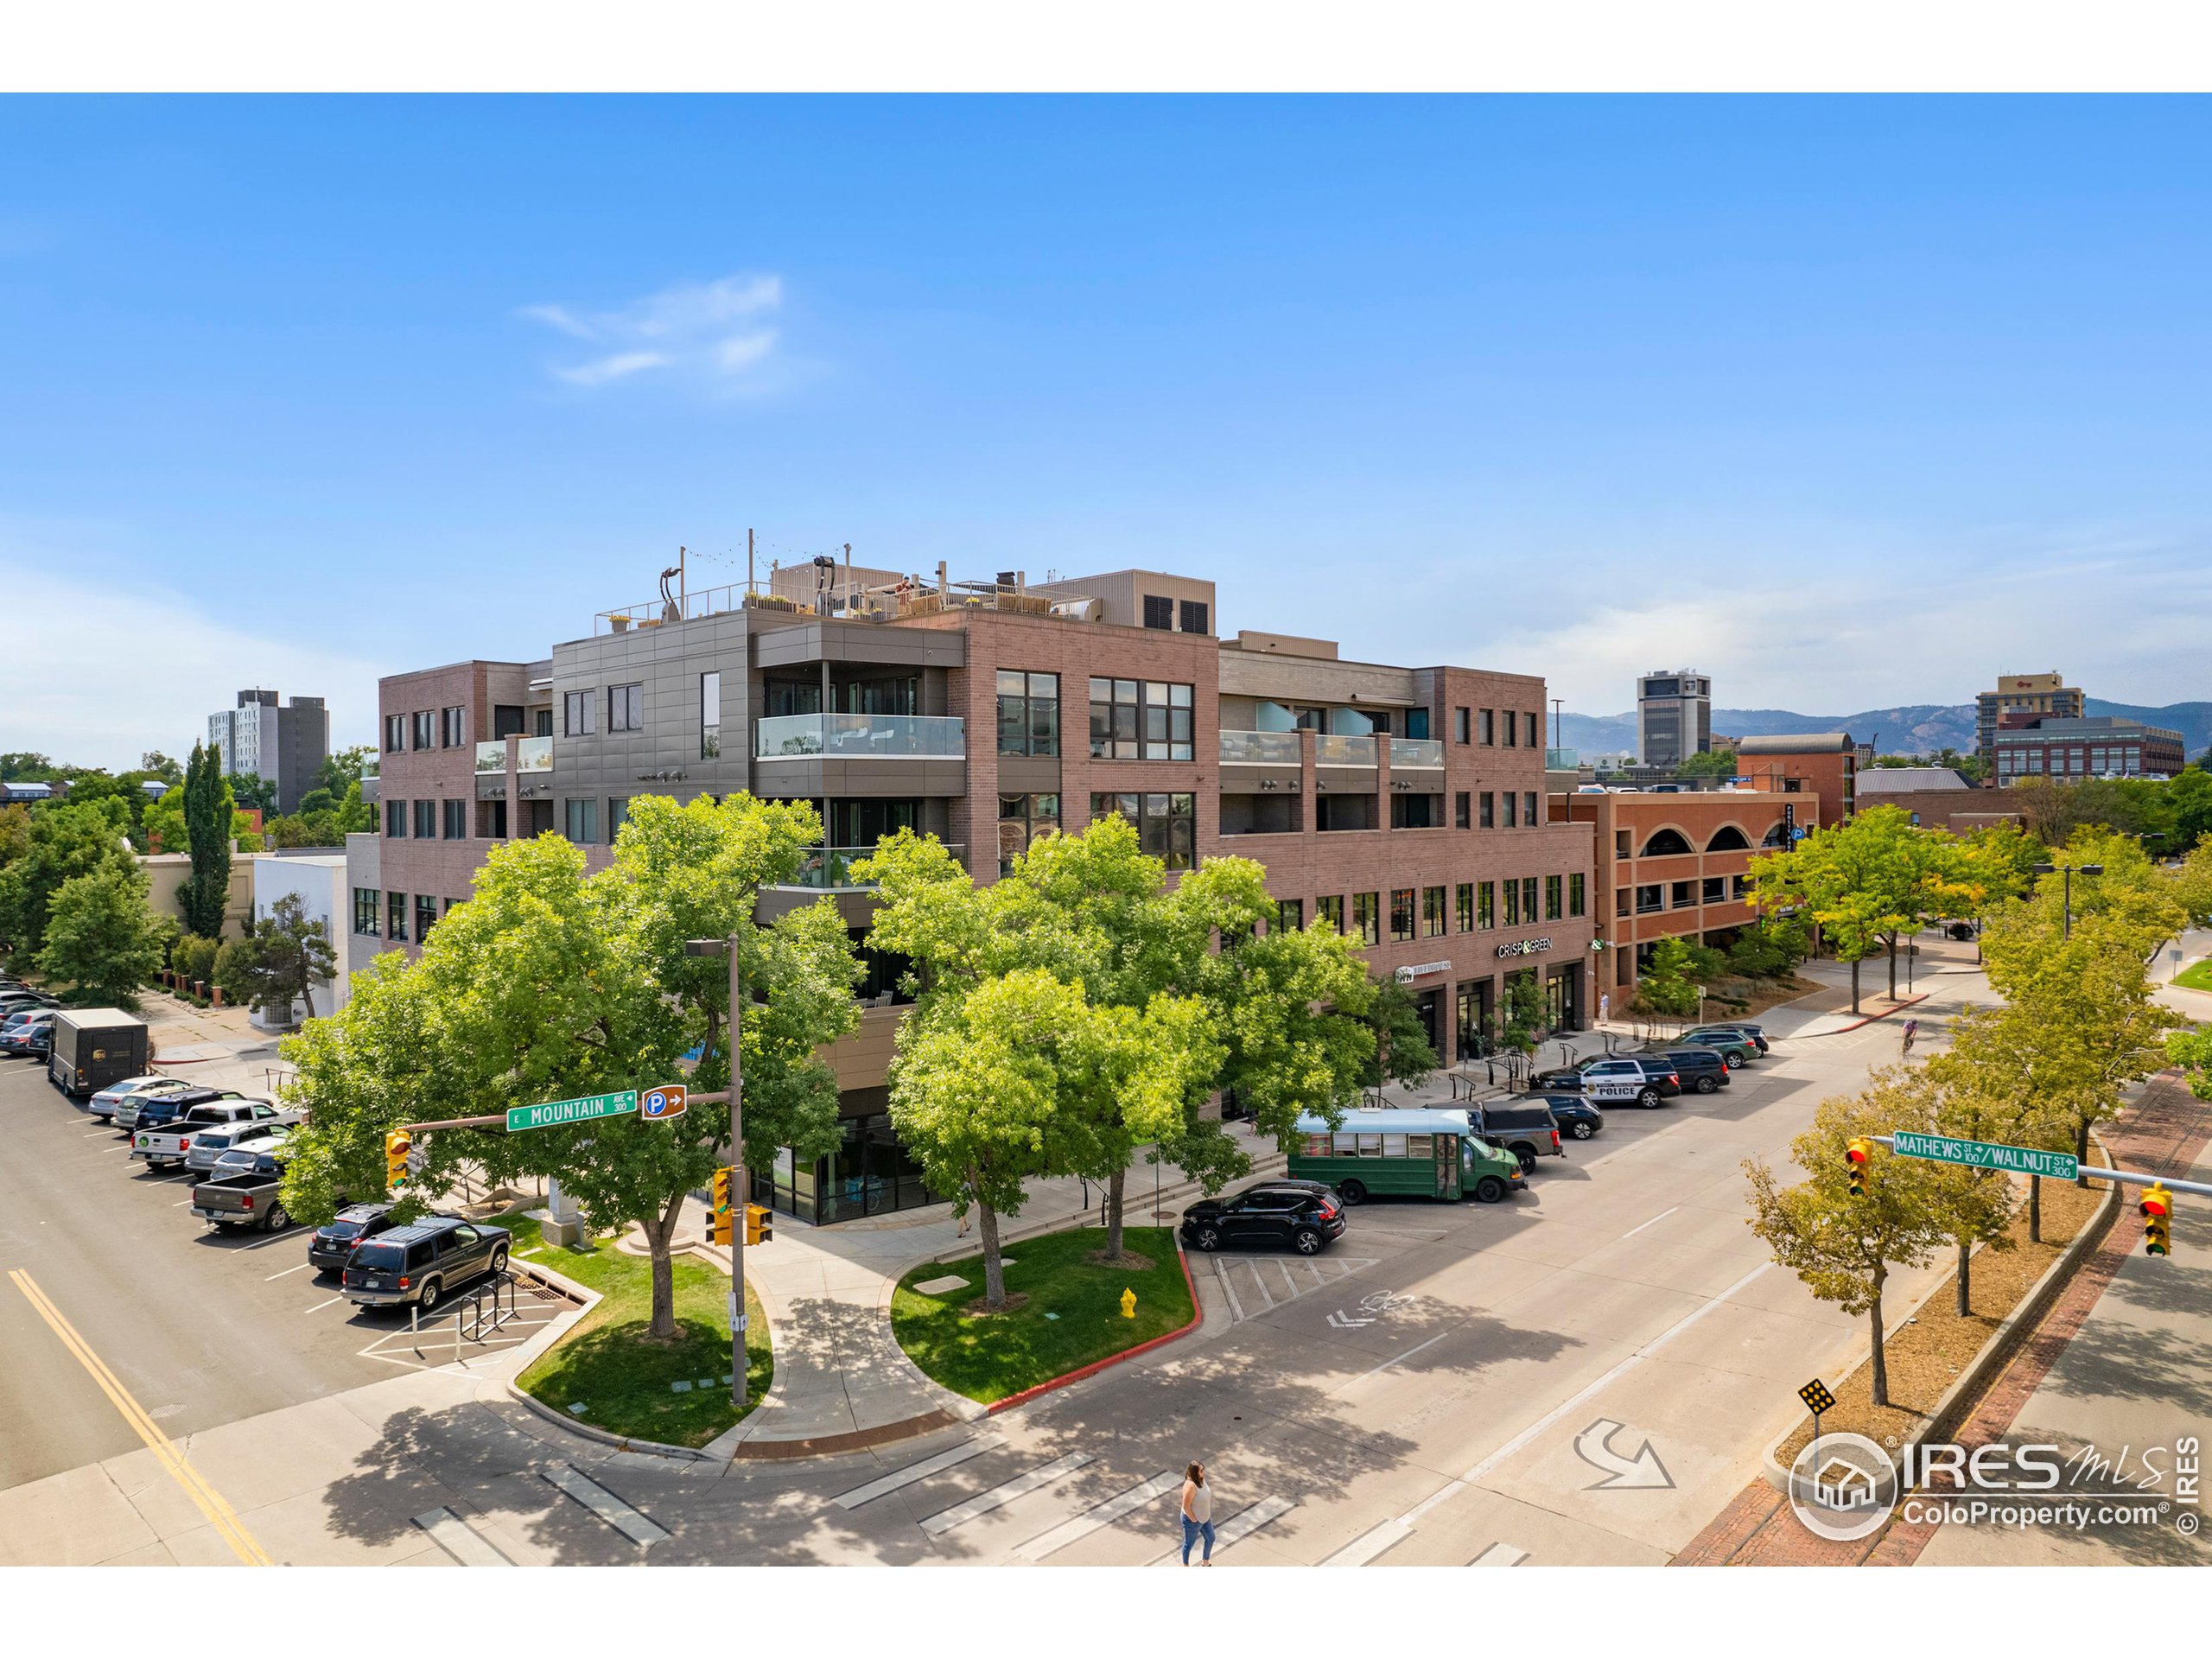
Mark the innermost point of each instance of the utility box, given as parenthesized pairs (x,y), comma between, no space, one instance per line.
(94,1048)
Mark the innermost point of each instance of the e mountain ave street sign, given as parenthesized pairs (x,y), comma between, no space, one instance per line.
(553,1113)
(1986,1154)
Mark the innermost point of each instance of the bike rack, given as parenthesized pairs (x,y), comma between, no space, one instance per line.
(486,1308)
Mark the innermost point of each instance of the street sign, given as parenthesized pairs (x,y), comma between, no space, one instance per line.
(1986,1154)
(553,1113)
(1816,1397)
(659,1104)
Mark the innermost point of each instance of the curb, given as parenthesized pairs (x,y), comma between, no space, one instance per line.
(1198,1318)
(1909,1002)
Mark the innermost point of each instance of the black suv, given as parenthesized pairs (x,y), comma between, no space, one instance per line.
(421,1262)
(151,1111)
(331,1247)
(1702,1069)
(1574,1116)
(1305,1215)
(1524,1127)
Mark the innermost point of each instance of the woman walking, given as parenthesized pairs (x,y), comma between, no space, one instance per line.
(1198,1514)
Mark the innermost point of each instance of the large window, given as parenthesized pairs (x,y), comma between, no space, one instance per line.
(421,719)
(1166,825)
(1290,915)
(1140,720)
(1462,725)
(1029,713)
(1486,903)
(426,916)
(1528,728)
(1512,810)
(426,820)
(451,727)
(1554,898)
(1528,898)
(617,814)
(1464,903)
(1648,898)
(1682,895)
(1022,818)
(366,905)
(1512,729)
(1431,913)
(1513,904)
(395,733)
(1367,918)
(1575,899)
(395,912)
(454,824)
(710,714)
(1193,614)
(395,819)
(1528,810)
(1159,610)
(1489,726)
(1487,801)
(575,714)
(1463,816)
(1401,915)
(583,827)
(1329,911)
(625,708)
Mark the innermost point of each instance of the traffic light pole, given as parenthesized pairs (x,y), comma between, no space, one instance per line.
(744,1181)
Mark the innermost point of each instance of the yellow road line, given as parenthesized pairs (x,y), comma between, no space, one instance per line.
(211,1504)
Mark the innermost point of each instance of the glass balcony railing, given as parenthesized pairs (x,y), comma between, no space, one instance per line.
(1416,754)
(531,754)
(1334,749)
(372,769)
(1259,748)
(830,868)
(861,737)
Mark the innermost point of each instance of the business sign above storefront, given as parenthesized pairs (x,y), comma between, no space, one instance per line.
(1421,970)
(1524,948)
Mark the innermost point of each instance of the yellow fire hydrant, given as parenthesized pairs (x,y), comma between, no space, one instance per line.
(1128,1303)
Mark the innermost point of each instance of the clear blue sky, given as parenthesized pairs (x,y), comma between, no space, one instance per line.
(1847,402)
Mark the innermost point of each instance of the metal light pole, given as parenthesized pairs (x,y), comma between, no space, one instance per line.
(2066,931)
(743,1181)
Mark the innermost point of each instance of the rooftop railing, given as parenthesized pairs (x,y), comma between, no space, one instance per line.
(1259,748)
(861,737)
(1416,754)
(1336,749)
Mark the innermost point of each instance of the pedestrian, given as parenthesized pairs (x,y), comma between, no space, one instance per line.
(1604,1007)
(1198,1514)
(1911,1030)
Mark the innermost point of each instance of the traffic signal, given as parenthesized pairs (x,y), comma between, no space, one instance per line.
(757,1228)
(718,1219)
(397,1146)
(1857,1156)
(2157,1208)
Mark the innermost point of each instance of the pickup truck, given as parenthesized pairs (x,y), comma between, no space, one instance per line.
(171,1142)
(247,1200)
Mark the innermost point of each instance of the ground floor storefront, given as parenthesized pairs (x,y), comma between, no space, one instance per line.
(870,1174)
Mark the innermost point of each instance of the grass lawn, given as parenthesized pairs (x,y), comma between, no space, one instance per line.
(622,1379)
(2197,976)
(1073,1315)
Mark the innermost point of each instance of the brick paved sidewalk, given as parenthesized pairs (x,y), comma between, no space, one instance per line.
(2164,1131)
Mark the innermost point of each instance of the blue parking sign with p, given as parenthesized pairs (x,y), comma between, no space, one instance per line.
(667,1101)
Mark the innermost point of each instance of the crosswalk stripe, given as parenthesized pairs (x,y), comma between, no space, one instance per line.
(1370,1544)
(1500,1555)
(1100,1515)
(1242,1524)
(914,1472)
(983,1503)
(459,1540)
(604,1505)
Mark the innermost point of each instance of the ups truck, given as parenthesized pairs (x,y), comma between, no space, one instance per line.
(94,1048)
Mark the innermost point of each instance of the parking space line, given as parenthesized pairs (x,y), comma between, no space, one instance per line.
(459,1540)
(1289,1285)
(914,1472)
(983,1503)
(1260,1285)
(278,1238)
(341,1297)
(603,1503)
(1242,1524)
(1099,1515)
(302,1267)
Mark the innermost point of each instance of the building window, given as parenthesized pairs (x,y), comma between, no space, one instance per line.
(1489,726)
(582,822)
(1022,818)
(1464,903)
(1462,725)
(1488,802)
(455,815)
(1485,905)
(1554,898)
(1575,894)
(625,708)
(426,820)
(1716,889)
(1648,897)
(1529,723)
(1462,812)
(1367,918)
(575,714)
(1512,730)
(395,819)
(450,725)
(395,914)
(395,733)
(1401,915)
(710,714)
(1290,915)
(1528,810)
(365,911)
(1683,895)
(1329,911)
(1193,615)
(1512,810)
(426,916)
(1140,720)
(1742,885)
(1166,825)
(1431,913)
(1528,898)
(1416,811)
(1513,904)
(1620,901)
(1029,713)
(617,814)
(422,728)
(1159,610)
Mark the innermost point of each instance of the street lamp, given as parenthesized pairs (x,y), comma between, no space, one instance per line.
(728,948)
(2069,870)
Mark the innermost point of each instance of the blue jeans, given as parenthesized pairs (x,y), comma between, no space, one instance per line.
(1193,1531)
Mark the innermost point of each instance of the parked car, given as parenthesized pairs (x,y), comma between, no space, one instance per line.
(17,1001)
(420,1262)
(1524,1127)
(1733,1028)
(171,1142)
(1645,1079)
(1731,1046)
(254,1134)
(1574,1116)
(332,1245)
(151,1110)
(252,1198)
(235,1160)
(1305,1215)
(105,1104)
(29,1034)
(1702,1069)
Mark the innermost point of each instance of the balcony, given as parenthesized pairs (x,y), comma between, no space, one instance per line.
(1416,754)
(1259,748)
(531,754)
(830,869)
(859,737)
(1335,749)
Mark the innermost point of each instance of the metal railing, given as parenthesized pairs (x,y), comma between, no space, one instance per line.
(861,737)
(1416,754)
(531,754)
(484,1309)
(1259,748)
(1336,749)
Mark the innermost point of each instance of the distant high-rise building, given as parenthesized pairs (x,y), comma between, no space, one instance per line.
(284,746)
(2032,695)
(1674,716)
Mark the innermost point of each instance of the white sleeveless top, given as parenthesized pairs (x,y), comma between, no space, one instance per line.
(1202,1503)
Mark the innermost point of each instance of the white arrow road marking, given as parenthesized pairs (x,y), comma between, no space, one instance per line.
(459,1540)
(1101,1514)
(1344,1321)
(914,1472)
(1643,1472)
(983,1503)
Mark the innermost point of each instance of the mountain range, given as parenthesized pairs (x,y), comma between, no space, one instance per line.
(1910,728)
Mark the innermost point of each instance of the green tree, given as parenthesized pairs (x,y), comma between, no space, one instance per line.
(154,764)
(283,955)
(193,959)
(1665,986)
(2014,1076)
(1401,1051)
(1708,763)
(252,792)
(163,824)
(205,893)
(2189,800)
(26,767)
(1521,1013)
(101,940)
(340,771)
(1844,1249)
(65,839)
(1768,948)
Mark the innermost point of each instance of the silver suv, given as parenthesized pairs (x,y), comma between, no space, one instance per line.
(256,1136)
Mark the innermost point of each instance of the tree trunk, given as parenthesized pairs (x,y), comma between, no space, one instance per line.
(663,1328)
(2035,1209)
(2081,1150)
(1854,984)
(1965,1276)
(1881,1366)
(1114,1192)
(987,1224)
(1893,968)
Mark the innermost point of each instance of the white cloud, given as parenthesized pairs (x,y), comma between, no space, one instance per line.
(711,332)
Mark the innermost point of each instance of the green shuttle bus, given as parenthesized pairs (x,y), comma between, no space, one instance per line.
(1421,1152)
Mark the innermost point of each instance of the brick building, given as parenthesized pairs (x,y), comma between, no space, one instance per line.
(1935,797)
(2067,751)
(1822,764)
(2032,696)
